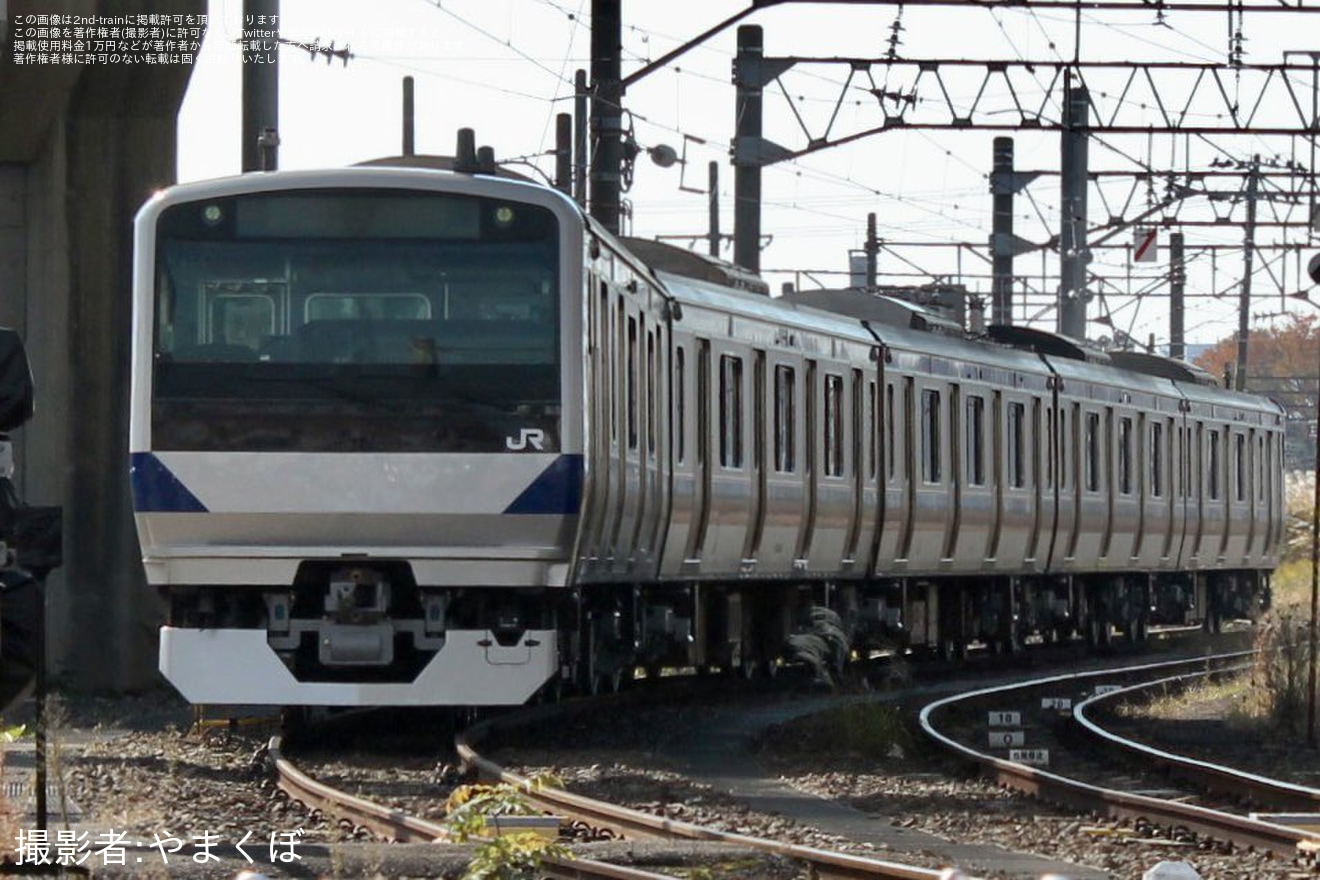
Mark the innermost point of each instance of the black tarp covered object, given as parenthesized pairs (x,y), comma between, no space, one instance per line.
(16,396)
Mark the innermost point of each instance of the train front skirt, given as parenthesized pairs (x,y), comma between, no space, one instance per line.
(237,666)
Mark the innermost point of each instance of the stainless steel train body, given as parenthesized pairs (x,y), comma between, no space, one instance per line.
(415,437)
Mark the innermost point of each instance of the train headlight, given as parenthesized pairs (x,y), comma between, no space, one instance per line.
(212,215)
(504,216)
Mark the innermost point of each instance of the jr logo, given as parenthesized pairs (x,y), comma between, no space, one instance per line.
(527,437)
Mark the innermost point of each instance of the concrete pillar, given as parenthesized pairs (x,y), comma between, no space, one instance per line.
(80,150)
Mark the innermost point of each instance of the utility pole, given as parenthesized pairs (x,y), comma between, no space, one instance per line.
(1073,253)
(261,84)
(606,111)
(1177,292)
(1001,241)
(746,166)
(1248,253)
(713,188)
(409,117)
(580,125)
(872,253)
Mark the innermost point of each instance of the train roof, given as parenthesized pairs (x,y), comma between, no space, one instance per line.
(660,256)
(874,308)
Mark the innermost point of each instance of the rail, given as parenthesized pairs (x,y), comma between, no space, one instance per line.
(1241,830)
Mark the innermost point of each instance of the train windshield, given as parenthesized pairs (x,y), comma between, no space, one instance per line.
(355,320)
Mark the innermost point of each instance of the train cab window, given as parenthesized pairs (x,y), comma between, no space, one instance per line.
(833,426)
(1017,446)
(975,441)
(731,418)
(1125,456)
(1240,467)
(1213,469)
(242,319)
(930,435)
(1156,460)
(1092,453)
(785,419)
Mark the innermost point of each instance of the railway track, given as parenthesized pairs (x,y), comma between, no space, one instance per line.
(394,825)
(1033,722)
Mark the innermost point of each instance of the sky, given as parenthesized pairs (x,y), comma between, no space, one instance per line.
(505,68)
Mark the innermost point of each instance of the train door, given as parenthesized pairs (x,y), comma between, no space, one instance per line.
(1239,527)
(595,520)
(785,473)
(932,509)
(1058,514)
(865,457)
(1194,488)
(728,526)
(654,449)
(629,448)
(974,510)
(1016,535)
(1039,481)
(1167,517)
(755,417)
(685,493)
(895,466)
(832,494)
(1123,490)
(698,428)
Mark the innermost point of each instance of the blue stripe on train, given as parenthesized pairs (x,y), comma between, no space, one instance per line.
(157,490)
(558,490)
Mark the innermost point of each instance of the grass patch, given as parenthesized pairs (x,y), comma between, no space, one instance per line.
(867,729)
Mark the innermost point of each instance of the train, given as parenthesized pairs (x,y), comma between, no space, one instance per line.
(426,437)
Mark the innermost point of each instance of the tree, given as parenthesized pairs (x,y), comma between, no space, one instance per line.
(1283,363)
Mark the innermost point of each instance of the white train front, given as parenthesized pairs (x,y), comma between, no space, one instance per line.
(413,437)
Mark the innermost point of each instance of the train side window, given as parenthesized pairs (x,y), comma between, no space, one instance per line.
(785,419)
(975,441)
(1125,455)
(891,451)
(1192,485)
(703,400)
(1213,469)
(1091,477)
(860,409)
(618,357)
(833,425)
(1017,446)
(868,433)
(731,419)
(680,403)
(1050,449)
(930,435)
(606,360)
(1240,467)
(630,374)
(650,394)
(1156,460)
(1066,447)
(1260,466)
